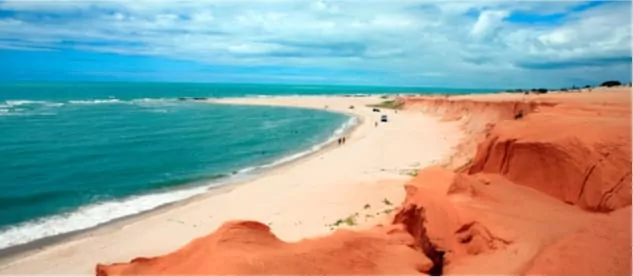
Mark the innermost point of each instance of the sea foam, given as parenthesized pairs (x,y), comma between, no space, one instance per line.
(91,216)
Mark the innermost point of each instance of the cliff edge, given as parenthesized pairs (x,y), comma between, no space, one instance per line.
(542,186)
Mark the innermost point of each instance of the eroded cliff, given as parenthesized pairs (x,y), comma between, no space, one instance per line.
(542,187)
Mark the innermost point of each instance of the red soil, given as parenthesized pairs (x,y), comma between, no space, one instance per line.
(249,248)
(546,192)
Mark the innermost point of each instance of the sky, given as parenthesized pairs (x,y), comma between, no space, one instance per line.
(474,44)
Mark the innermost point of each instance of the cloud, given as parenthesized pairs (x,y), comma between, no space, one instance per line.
(488,22)
(458,42)
(590,62)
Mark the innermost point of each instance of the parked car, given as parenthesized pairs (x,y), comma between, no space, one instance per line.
(351,107)
(376,110)
(383,118)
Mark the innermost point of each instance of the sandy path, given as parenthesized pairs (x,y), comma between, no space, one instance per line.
(297,201)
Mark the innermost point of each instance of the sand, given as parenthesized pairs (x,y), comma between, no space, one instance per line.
(300,200)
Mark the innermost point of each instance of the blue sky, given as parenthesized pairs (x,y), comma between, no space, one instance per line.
(475,44)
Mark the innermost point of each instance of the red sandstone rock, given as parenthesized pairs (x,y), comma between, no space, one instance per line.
(249,248)
(601,248)
(575,147)
(583,159)
(435,221)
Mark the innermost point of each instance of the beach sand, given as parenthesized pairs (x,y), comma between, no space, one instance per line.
(363,177)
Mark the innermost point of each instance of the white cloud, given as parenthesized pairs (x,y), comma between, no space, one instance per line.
(466,39)
(488,22)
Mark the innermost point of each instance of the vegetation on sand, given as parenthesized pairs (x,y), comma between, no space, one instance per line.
(611,84)
(389,104)
(413,172)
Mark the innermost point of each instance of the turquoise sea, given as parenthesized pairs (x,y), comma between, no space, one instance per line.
(76,155)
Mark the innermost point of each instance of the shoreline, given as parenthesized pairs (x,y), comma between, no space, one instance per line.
(361,179)
(226,185)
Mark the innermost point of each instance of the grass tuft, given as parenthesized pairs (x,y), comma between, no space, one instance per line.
(387,202)
(389,104)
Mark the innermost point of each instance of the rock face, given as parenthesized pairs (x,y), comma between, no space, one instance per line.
(441,228)
(575,147)
(476,117)
(249,248)
(580,159)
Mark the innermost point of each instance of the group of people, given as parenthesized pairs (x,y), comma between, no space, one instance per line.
(341,140)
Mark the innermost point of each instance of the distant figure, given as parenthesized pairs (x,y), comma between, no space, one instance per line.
(343,140)
(376,124)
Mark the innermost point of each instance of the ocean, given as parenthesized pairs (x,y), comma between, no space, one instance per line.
(76,155)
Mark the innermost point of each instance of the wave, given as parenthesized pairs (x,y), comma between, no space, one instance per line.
(35,107)
(91,216)
(27,107)
(155,102)
(142,102)
(13,103)
(54,104)
(19,112)
(95,101)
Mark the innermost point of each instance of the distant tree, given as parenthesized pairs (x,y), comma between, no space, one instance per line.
(611,84)
(533,90)
(564,89)
(542,90)
(587,86)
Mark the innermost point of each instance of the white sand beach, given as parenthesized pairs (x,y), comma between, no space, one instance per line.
(298,200)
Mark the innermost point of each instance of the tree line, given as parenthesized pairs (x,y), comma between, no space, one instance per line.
(610,83)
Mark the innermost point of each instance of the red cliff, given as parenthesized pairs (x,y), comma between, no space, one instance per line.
(543,188)
(575,147)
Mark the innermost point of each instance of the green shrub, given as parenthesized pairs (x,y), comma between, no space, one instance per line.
(611,84)
(389,104)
